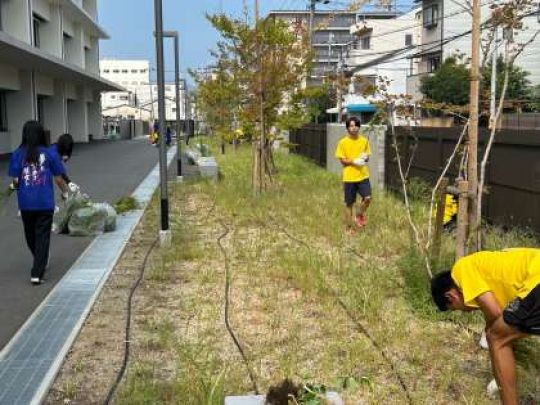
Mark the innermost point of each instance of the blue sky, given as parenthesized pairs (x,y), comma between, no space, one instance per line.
(130,24)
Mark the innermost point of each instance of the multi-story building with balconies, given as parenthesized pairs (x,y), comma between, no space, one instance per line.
(331,34)
(49,69)
(445,31)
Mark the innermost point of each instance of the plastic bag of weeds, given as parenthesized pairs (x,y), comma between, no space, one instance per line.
(110,219)
(65,210)
(88,221)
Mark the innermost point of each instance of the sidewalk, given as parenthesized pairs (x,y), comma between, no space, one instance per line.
(31,360)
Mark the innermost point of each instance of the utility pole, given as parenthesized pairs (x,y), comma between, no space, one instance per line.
(472,170)
(165,233)
(339,89)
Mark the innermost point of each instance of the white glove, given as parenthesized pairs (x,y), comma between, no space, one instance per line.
(361,161)
(73,187)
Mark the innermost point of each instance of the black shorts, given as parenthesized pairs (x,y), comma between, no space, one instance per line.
(363,188)
(524,314)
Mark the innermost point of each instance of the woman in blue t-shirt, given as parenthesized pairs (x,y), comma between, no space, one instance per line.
(34,168)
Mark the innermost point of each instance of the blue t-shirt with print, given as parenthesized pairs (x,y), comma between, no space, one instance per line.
(36,189)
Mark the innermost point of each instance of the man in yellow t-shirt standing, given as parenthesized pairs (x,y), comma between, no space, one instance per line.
(353,151)
(505,286)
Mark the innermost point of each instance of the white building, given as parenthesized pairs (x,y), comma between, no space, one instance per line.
(381,50)
(49,53)
(446,26)
(331,34)
(141,94)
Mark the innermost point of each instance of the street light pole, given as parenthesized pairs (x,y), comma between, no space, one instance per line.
(165,233)
(174,34)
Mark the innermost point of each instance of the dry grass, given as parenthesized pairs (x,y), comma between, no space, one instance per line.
(290,266)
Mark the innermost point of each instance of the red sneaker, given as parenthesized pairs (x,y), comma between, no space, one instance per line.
(361,220)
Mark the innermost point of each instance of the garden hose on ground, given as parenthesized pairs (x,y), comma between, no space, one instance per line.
(227,306)
(127,343)
(356,322)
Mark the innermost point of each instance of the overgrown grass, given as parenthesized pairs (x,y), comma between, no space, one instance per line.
(290,263)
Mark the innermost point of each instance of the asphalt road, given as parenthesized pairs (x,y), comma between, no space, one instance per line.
(105,171)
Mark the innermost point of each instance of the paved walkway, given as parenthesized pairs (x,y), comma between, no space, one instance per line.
(31,360)
(106,171)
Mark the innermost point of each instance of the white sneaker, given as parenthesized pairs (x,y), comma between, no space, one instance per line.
(35,280)
(483,341)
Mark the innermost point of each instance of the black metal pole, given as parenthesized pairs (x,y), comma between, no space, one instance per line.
(158,11)
(177,83)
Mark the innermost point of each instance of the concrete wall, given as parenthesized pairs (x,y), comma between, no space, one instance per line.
(95,121)
(376,136)
(54,111)
(9,78)
(15,19)
(77,118)
(20,108)
(49,31)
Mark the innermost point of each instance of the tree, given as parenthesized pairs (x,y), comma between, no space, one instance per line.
(258,81)
(518,88)
(449,84)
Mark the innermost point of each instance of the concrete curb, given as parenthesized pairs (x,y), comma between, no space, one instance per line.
(31,360)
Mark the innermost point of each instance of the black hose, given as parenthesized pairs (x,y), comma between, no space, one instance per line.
(357,323)
(127,345)
(227,308)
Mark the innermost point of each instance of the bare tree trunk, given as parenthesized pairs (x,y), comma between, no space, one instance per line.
(414,229)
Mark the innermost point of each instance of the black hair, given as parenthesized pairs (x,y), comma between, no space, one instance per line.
(356,120)
(33,136)
(64,144)
(440,285)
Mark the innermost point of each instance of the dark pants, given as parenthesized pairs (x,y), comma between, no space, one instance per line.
(37,231)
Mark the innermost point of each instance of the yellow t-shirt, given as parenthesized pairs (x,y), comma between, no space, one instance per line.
(350,148)
(508,274)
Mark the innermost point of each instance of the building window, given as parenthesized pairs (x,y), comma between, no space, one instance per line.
(123,97)
(3,112)
(433,63)
(36,22)
(365,42)
(113,97)
(431,16)
(106,71)
(142,71)
(124,70)
(408,39)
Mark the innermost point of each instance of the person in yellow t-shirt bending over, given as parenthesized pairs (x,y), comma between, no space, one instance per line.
(505,286)
(353,151)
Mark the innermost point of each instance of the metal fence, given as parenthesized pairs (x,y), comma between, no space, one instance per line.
(310,141)
(512,174)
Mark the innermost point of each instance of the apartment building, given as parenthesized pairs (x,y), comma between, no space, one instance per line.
(331,34)
(445,31)
(49,69)
(380,49)
(139,100)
